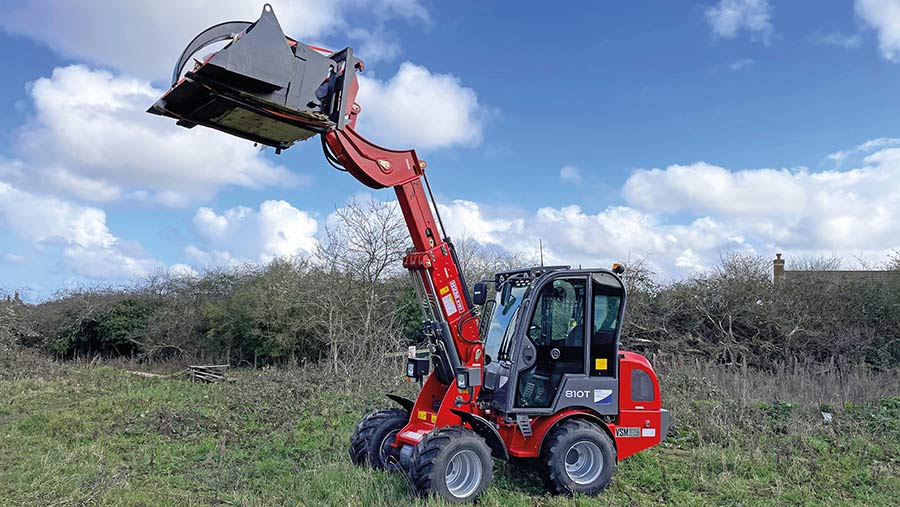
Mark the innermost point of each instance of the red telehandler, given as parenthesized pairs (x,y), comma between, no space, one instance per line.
(534,374)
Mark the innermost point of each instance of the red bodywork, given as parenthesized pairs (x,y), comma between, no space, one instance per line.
(643,415)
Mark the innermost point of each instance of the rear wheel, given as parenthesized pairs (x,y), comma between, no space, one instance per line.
(371,442)
(452,463)
(578,457)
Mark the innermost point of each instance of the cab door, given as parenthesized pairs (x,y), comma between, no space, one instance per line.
(598,388)
(553,343)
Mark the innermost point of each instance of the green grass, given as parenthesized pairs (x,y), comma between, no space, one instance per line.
(100,436)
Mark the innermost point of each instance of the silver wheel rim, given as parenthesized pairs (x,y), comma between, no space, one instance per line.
(464,472)
(584,462)
(386,445)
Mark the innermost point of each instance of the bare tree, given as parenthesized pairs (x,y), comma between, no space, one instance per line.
(480,261)
(893,263)
(362,248)
(805,263)
(8,320)
(366,238)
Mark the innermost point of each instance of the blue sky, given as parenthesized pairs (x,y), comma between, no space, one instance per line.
(666,131)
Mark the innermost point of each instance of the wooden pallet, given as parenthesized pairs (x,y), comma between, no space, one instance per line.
(208,373)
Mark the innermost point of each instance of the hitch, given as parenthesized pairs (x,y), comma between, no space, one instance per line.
(262,86)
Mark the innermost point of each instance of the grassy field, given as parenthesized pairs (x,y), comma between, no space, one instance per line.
(100,436)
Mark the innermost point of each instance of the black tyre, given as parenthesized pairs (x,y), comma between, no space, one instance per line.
(452,463)
(370,444)
(578,457)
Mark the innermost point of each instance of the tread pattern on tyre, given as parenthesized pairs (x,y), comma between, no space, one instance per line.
(556,482)
(360,442)
(421,472)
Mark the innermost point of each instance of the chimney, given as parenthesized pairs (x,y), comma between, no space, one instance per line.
(778,269)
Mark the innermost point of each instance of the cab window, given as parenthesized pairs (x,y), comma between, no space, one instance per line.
(607,305)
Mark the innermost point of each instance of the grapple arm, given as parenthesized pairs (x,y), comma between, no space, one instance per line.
(218,33)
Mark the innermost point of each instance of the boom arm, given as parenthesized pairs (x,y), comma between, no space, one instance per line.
(450,322)
(432,263)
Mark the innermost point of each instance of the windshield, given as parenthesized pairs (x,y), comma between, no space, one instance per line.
(508,300)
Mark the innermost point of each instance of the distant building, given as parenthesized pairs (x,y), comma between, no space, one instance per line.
(779,274)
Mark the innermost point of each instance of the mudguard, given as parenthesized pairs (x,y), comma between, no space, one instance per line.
(403,402)
(487,431)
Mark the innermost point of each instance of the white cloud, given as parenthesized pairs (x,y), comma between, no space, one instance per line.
(690,261)
(11,258)
(729,17)
(839,39)
(839,157)
(183,271)
(571,233)
(144,37)
(89,137)
(682,218)
(419,109)
(572,236)
(373,46)
(741,63)
(211,257)
(848,211)
(410,9)
(570,173)
(88,247)
(884,17)
(243,234)
(705,188)
(468,219)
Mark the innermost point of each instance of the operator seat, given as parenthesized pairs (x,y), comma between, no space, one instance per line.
(572,358)
(575,337)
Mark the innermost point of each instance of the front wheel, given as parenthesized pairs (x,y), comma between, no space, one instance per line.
(453,464)
(579,457)
(372,441)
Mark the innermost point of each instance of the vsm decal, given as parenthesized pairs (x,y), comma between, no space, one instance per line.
(627,432)
(603,396)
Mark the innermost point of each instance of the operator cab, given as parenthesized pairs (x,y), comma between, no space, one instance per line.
(551,339)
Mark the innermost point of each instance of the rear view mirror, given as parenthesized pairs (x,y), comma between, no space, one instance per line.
(479,293)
